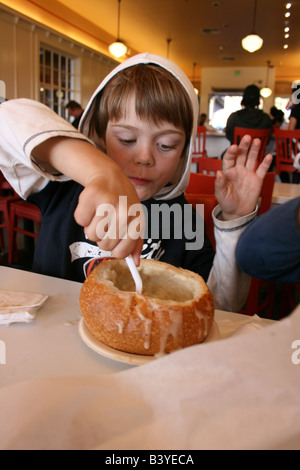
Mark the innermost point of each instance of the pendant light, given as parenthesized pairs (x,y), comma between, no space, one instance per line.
(196,89)
(266,91)
(118,48)
(252,42)
(168,47)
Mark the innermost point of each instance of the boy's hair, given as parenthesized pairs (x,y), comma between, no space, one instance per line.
(159,97)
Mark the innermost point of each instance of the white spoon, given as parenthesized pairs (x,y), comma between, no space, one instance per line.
(135,274)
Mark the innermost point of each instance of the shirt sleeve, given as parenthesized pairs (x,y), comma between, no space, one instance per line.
(270,247)
(227,282)
(24,124)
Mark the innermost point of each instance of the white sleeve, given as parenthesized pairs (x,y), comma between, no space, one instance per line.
(228,284)
(24,124)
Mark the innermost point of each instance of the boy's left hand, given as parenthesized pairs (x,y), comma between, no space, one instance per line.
(238,186)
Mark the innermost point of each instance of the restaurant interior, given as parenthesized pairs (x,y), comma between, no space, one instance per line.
(57,51)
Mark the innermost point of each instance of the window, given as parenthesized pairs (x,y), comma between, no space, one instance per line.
(56,80)
(221,105)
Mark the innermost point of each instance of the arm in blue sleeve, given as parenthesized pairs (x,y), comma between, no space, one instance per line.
(269,248)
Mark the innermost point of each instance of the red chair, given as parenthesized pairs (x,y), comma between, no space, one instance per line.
(7,195)
(253,306)
(200,183)
(209,201)
(199,149)
(287,146)
(20,211)
(201,186)
(262,134)
(209,165)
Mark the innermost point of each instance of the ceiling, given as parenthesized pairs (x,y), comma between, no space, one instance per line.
(203,33)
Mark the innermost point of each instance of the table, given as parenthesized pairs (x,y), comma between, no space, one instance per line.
(51,345)
(240,392)
(283,192)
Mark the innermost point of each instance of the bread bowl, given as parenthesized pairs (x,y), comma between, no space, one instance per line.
(175,310)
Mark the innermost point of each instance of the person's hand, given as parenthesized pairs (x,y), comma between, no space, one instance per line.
(238,186)
(111,214)
(108,220)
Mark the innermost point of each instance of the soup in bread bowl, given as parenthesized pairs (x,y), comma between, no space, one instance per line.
(175,309)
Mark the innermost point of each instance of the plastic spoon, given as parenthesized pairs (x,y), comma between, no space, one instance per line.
(135,274)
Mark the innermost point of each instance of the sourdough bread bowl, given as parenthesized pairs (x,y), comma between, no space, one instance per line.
(175,310)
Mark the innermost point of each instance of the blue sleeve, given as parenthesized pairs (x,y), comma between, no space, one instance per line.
(269,248)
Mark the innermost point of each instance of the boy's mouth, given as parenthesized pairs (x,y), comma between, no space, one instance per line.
(139,181)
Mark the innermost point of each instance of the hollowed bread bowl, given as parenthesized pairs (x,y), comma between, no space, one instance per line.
(175,310)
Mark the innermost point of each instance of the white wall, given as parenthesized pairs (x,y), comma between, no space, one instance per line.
(20,40)
(235,78)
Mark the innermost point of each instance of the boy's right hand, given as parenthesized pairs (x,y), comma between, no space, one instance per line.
(112,215)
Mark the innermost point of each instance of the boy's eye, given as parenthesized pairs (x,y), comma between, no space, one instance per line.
(166,147)
(127,141)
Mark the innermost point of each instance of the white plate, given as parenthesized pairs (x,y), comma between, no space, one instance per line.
(116,355)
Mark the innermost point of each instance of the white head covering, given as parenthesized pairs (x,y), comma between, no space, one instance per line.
(170,191)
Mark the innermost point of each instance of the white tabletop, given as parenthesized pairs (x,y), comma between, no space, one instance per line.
(50,345)
(239,392)
(283,192)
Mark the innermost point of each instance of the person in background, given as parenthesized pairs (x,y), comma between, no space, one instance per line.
(269,248)
(76,111)
(250,116)
(202,119)
(277,117)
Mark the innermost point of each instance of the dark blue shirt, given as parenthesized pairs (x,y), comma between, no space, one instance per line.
(269,248)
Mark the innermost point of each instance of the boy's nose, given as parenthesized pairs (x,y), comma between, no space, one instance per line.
(144,157)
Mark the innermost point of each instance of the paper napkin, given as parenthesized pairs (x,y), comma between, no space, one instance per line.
(16,307)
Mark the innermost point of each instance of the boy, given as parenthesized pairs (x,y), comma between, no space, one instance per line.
(144,117)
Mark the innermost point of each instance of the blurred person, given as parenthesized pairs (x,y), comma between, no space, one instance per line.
(76,111)
(250,116)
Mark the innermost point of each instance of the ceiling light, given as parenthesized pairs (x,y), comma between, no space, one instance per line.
(266,91)
(288,5)
(286,29)
(252,42)
(118,48)
(195,89)
(285,46)
(287,14)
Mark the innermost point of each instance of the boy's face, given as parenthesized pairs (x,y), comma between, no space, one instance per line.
(147,153)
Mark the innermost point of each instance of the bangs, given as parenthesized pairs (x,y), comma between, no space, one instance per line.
(159,96)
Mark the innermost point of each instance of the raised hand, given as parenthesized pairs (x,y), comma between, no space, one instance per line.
(238,186)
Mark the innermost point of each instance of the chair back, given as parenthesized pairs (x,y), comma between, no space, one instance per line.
(287,146)
(199,149)
(5,187)
(266,192)
(209,201)
(201,190)
(262,134)
(209,165)
(201,183)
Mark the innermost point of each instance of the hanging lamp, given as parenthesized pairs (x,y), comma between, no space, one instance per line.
(118,48)
(196,89)
(266,91)
(252,42)
(168,47)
